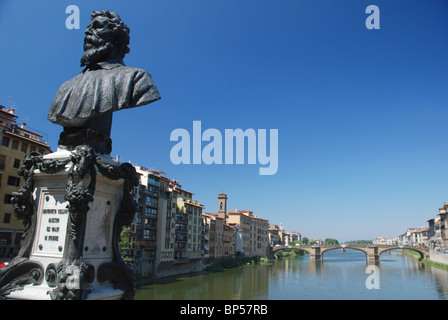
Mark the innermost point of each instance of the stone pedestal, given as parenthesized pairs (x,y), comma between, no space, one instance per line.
(79,203)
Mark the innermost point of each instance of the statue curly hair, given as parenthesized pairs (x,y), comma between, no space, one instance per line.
(107,37)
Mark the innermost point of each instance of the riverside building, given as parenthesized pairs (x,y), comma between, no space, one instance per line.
(224,242)
(16,142)
(236,233)
(167,236)
(254,232)
(171,234)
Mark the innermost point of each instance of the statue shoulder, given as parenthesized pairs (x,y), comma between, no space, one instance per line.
(136,72)
(144,89)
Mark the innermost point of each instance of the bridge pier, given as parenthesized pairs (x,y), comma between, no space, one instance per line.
(316,254)
(372,254)
(270,253)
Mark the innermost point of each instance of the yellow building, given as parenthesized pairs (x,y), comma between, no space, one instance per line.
(255,231)
(188,242)
(223,243)
(16,142)
(209,222)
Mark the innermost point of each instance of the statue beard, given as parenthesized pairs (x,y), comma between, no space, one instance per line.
(96,50)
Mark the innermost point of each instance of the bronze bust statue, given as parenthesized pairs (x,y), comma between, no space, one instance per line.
(84,104)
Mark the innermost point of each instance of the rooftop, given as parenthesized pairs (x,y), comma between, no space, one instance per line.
(9,112)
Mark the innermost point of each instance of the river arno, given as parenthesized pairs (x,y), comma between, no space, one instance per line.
(338,276)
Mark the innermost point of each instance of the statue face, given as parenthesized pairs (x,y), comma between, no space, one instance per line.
(106,38)
(99,27)
(98,43)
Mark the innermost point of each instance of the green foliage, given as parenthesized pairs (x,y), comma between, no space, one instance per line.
(125,244)
(435,264)
(330,241)
(289,252)
(264,260)
(308,242)
(359,242)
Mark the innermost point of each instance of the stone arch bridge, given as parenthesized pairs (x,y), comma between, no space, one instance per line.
(372,252)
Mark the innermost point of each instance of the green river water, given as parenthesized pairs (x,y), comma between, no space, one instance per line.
(339,276)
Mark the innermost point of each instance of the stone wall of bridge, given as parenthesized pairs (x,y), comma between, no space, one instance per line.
(372,252)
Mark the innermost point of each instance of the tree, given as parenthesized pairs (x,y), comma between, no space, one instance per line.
(305,240)
(361,242)
(329,241)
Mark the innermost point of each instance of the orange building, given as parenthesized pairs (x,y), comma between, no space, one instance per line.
(255,231)
(16,142)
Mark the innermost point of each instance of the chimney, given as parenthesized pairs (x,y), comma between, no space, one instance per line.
(23,126)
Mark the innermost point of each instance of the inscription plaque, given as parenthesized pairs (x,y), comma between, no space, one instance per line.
(52,228)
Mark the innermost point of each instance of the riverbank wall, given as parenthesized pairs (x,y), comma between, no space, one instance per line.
(439,257)
(172,269)
(436,258)
(181,267)
(148,270)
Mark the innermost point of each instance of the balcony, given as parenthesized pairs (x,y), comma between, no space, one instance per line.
(152,204)
(152,192)
(181,219)
(154,182)
(181,239)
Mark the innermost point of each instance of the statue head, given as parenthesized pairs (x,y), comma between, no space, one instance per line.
(107,37)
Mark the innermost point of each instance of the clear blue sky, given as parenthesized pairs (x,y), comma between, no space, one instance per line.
(360,113)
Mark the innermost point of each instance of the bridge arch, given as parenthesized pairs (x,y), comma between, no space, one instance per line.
(301,248)
(324,249)
(424,254)
(372,252)
(319,250)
